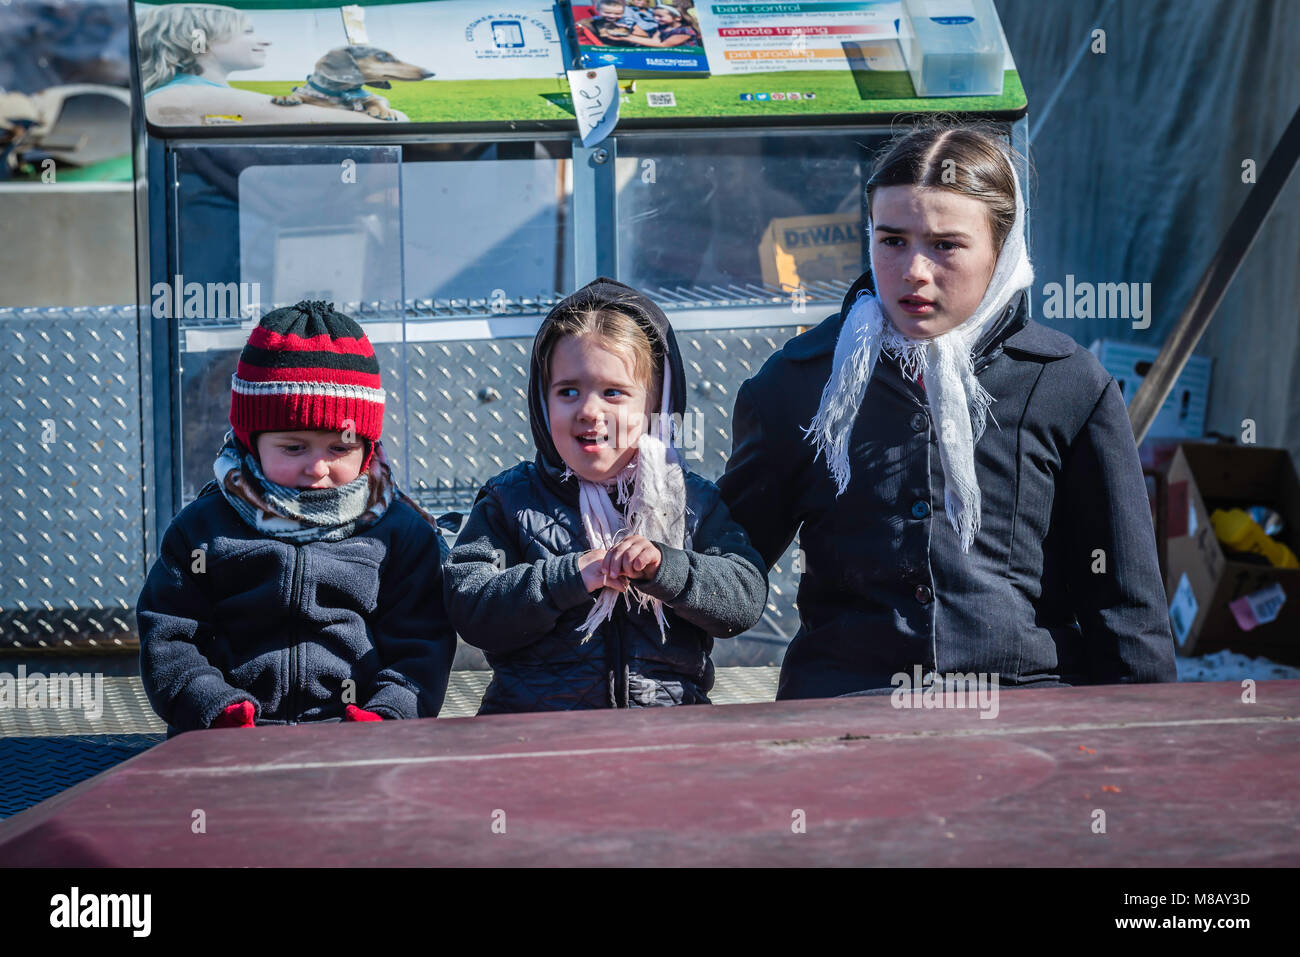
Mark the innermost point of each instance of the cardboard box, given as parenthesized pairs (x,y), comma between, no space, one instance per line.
(1202,581)
(1183,413)
(799,249)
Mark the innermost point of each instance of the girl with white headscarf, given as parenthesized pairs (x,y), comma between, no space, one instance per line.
(963,481)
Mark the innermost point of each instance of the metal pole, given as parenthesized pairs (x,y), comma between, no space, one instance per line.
(595,237)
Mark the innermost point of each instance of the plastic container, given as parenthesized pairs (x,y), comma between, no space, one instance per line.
(1242,533)
(952,47)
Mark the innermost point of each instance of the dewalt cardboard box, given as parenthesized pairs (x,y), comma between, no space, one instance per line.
(796,250)
(1218,599)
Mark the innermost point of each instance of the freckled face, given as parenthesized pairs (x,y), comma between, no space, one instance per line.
(597,405)
(309,459)
(932,257)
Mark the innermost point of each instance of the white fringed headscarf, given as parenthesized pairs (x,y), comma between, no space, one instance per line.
(958,402)
(653,486)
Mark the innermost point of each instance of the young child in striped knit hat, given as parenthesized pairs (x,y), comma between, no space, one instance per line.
(301,584)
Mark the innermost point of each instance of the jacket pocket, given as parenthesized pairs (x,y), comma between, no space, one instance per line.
(346,579)
(646,692)
(1036,478)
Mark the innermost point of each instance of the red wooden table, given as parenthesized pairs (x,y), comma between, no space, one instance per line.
(1182,775)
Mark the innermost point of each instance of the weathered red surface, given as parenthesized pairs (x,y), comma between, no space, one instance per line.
(1186,775)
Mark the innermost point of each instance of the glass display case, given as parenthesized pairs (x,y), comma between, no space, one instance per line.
(449,253)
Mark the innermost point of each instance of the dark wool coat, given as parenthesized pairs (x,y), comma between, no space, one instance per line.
(284,625)
(513,587)
(1062,584)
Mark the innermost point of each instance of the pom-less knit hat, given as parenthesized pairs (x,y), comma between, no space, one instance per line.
(307,367)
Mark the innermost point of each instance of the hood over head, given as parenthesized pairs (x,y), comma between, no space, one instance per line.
(603,293)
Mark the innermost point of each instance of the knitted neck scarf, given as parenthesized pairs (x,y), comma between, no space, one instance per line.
(653,488)
(958,402)
(303,515)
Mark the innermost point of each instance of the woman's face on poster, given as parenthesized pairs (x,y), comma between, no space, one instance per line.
(241,51)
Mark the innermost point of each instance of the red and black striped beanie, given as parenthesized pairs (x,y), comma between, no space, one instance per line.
(307,367)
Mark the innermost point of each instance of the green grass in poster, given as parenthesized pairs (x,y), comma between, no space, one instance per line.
(443,101)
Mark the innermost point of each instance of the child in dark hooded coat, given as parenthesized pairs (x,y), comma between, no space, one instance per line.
(598,575)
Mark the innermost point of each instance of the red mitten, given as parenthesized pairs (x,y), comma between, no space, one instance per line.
(353,713)
(238,715)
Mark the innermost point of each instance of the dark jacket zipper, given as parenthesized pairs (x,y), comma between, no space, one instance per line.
(615,634)
(295,598)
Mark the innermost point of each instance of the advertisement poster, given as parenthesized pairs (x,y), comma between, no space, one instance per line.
(436,61)
(295,62)
(638,37)
(751,37)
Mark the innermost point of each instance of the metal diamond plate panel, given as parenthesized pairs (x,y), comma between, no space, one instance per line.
(744,685)
(469,416)
(738,685)
(72,505)
(468,420)
(456,415)
(120,707)
(33,769)
(464,694)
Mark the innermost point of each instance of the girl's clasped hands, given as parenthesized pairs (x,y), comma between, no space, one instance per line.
(634,558)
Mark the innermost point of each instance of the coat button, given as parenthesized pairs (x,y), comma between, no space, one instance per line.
(920,421)
(923,594)
(920,508)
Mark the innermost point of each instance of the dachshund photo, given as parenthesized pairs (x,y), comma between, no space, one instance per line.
(340,75)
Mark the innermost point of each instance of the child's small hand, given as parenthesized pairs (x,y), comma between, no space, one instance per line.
(593,572)
(353,713)
(635,557)
(238,715)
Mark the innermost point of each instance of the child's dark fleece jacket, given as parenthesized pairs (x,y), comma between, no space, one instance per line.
(228,615)
(513,587)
